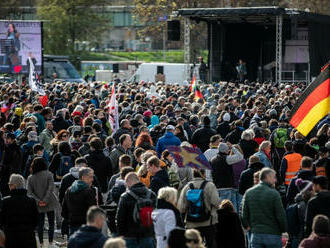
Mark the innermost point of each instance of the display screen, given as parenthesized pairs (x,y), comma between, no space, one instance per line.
(20,40)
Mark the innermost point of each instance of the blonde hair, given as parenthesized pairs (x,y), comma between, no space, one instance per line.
(264,145)
(115,243)
(194,235)
(168,194)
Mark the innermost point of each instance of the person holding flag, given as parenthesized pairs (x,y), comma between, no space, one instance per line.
(194,87)
(113,111)
(35,83)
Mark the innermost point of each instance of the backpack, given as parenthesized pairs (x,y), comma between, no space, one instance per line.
(65,165)
(27,154)
(293,219)
(280,137)
(173,178)
(197,211)
(143,209)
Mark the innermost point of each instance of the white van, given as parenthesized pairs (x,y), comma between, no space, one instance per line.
(173,72)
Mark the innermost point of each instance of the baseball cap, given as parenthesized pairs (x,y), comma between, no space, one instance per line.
(170,127)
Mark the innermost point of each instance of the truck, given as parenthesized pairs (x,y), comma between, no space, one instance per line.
(169,73)
(60,68)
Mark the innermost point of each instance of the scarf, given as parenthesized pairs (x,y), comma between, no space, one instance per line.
(162,204)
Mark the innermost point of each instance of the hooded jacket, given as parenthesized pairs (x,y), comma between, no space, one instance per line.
(168,139)
(101,166)
(159,180)
(126,225)
(154,122)
(165,218)
(292,190)
(77,200)
(87,237)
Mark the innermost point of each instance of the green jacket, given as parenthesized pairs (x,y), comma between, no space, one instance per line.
(262,210)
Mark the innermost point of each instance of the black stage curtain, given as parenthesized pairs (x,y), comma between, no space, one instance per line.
(319,46)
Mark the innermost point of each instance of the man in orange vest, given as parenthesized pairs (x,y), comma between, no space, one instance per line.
(290,164)
(322,165)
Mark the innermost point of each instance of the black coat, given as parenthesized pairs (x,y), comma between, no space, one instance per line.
(19,217)
(76,204)
(87,237)
(234,136)
(319,204)
(249,147)
(56,162)
(101,166)
(12,163)
(201,137)
(292,189)
(159,180)
(229,230)
(222,173)
(120,132)
(125,224)
(246,179)
(223,129)
(60,123)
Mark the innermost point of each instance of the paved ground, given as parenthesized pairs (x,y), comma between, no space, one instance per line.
(59,241)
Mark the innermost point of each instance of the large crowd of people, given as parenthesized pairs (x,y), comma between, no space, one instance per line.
(65,169)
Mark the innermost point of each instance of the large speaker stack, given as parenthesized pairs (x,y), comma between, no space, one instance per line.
(173,30)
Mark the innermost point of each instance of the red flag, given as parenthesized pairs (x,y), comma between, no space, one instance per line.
(43,100)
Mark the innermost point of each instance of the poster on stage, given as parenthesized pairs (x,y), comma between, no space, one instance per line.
(20,40)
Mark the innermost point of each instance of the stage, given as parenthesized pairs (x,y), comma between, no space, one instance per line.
(277,44)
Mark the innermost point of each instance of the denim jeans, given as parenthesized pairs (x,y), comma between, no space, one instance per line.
(260,240)
(51,223)
(232,195)
(139,243)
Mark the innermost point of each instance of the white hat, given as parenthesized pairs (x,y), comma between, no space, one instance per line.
(226,117)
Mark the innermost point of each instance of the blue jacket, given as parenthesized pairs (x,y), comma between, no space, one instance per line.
(168,139)
(264,159)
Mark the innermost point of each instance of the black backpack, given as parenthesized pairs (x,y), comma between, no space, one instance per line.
(143,209)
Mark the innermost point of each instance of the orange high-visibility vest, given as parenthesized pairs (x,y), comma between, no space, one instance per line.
(293,166)
(320,171)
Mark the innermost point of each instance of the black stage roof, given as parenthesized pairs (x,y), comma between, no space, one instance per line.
(250,14)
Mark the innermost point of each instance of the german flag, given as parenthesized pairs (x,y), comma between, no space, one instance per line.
(193,84)
(313,104)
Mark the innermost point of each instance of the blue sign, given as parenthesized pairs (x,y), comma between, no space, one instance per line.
(162,18)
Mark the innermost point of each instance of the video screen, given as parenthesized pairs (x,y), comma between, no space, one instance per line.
(20,40)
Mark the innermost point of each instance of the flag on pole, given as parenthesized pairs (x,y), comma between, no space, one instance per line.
(34,80)
(193,84)
(198,93)
(313,104)
(194,87)
(113,111)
